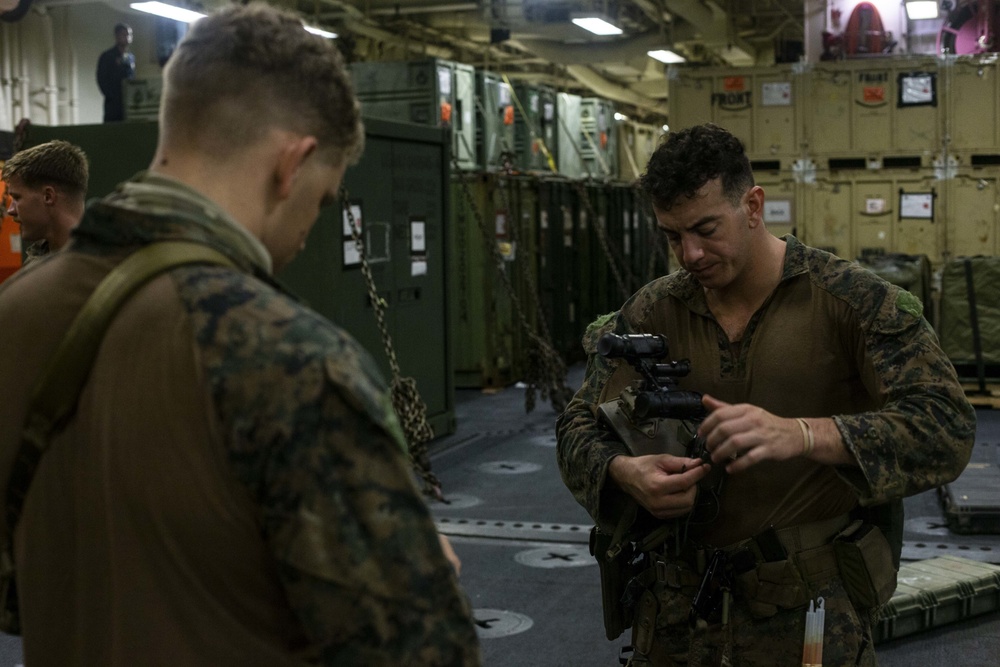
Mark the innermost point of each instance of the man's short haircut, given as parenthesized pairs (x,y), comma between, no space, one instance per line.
(56,163)
(689,159)
(248,68)
(122,27)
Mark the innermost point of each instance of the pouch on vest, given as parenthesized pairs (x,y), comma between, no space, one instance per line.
(650,436)
(865,561)
(615,575)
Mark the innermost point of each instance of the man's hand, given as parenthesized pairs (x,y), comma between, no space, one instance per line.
(741,435)
(450,554)
(663,484)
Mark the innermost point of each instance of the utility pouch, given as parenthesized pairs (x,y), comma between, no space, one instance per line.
(651,436)
(615,575)
(865,561)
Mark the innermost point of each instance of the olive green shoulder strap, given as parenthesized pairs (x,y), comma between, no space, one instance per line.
(55,396)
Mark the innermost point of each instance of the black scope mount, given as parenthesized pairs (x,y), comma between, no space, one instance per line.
(658,395)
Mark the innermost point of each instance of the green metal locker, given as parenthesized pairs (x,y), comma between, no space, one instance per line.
(534,126)
(495,116)
(400,185)
(434,92)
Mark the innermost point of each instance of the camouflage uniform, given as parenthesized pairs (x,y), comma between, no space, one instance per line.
(831,340)
(233,488)
(35,252)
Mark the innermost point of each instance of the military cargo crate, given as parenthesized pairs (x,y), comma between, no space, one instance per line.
(935,592)
(972,502)
(969,321)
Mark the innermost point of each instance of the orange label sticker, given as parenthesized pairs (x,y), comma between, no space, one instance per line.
(445,113)
(873,94)
(734,84)
(508,115)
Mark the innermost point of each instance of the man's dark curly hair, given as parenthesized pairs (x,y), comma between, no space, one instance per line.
(689,159)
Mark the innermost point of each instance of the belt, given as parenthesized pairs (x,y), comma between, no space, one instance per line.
(808,545)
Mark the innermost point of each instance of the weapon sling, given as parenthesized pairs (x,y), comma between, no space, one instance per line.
(54,398)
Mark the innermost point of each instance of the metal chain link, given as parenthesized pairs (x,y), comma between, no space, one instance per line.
(602,238)
(406,401)
(526,274)
(659,247)
(546,370)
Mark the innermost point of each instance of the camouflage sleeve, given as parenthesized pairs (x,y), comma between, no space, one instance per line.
(311,434)
(922,436)
(584,449)
(357,549)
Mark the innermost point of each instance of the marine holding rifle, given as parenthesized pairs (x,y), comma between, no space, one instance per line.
(825,399)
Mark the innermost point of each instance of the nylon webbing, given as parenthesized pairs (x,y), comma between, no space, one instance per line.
(977,343)
(55,396)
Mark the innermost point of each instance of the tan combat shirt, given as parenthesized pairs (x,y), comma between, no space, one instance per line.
(831,340)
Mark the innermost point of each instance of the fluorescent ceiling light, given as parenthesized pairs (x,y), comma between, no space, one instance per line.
(321,33)
(168,11)
(666,128)
(921,9)
(665,56)
(597,26)
(620,116)
(188,16)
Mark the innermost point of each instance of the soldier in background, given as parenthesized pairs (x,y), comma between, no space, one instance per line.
(47,185)
(828,400)
(233,488)
(114,67)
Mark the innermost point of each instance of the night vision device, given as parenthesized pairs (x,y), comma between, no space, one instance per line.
(635,415)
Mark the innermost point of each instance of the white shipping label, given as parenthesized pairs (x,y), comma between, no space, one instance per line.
(444,81)
(15,243)
(351,255)
(778,211)
(418,238)
(418,267)
(356,212)
(874,206)
(776,94)
(916,205)
(917,89)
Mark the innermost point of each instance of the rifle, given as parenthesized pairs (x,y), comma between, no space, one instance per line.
(644,418)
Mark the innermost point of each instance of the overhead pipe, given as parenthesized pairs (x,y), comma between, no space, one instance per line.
(6,87)
(72,103)
(51,88)
(73,100)
(613,91)
(396,10)
(22,109)
(713,23)
(616,51)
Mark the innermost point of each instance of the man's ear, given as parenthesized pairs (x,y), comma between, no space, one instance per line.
(49,195)
(755,205)
(291,158)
